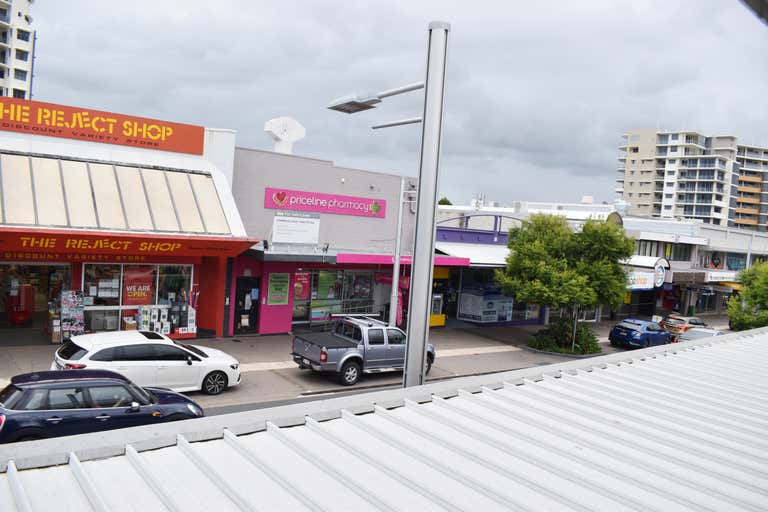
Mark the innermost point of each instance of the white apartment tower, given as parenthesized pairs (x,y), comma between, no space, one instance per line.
(684,174)
(17,49)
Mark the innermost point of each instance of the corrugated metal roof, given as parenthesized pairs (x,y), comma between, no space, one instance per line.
(680,427)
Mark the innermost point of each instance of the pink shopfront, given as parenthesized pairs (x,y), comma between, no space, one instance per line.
(323,255)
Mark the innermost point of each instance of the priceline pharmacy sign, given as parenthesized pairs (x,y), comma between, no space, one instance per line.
(300,201)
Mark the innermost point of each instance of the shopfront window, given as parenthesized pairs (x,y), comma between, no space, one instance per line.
(358,292)
(174,283)
(114,297)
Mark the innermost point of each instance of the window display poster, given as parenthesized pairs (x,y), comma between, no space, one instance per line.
(138,285)
(302,284)
(277,294)
(326,285)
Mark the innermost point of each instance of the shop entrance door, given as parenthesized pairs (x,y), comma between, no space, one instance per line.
(30,301)
(246,305)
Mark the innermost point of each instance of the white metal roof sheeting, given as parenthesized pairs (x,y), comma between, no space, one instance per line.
(480,255)
(680,427)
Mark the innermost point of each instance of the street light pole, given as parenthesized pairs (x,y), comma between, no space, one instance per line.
(394,303)
(419,303)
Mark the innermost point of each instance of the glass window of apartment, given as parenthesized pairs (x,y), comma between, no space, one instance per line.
(19,93)
(19,74)
(22,35)
(673,149)
(663,139)
(667,206)
(22,55)
(646,248)
(674,136)
(677,252)
(672,160)
(174,283)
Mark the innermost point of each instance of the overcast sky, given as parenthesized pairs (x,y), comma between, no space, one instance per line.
(537,95)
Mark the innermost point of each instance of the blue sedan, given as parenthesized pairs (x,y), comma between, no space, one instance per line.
(60,403)
(633,333)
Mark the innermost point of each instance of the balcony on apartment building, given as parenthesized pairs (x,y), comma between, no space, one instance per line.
(750,178)
(747,199)
(748,190)
(745,220)
(747,211)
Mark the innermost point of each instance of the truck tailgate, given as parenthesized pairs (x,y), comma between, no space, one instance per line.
(309,345)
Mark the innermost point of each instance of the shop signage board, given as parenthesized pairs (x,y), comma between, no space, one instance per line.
(724,275)
(641,280)
(306,201)
(138,285)
(296,228)
(37,244)
(277,294)
(52,120)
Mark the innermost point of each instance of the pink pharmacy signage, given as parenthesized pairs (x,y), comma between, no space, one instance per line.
(300,201)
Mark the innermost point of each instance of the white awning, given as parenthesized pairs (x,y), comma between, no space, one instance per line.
(480,255)
(57,192)
(646,261)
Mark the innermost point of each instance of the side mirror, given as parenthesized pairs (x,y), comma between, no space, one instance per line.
(189,360)
(135,407)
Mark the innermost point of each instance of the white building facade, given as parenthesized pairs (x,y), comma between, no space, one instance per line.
(17,49)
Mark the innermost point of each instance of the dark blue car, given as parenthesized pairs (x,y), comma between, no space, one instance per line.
(632,333)
(61,403)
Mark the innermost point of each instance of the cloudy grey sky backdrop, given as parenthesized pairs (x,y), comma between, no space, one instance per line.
(538,93)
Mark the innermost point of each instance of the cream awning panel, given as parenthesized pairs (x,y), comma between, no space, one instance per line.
(160,200)
(184,200)
(47,191)
(210,205)
(134,199)
(18,197)
(79,195)
(109,205)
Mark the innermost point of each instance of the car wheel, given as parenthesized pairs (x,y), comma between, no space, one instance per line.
(350,373)
(214,383)
(647,343)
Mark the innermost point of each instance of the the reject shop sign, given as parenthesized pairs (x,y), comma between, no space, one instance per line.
(53,120)
(301,201)
(20,244)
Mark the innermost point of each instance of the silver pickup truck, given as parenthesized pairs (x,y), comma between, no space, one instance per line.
(354,346)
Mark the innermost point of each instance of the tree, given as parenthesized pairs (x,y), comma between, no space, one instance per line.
(749,310)
(551,264)
(444,201)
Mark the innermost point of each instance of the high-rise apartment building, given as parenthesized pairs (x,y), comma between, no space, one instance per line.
(684,174)
(17,49)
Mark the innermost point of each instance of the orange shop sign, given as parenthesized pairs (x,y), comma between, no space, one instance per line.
(38,243)
(49,119)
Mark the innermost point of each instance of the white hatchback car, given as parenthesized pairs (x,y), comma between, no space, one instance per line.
(151,359)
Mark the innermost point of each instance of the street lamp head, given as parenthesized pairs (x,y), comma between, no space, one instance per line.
(355,103)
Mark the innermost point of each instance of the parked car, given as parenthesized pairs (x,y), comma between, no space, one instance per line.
(354,346)
(695,333)
(151,359)
(677,324)
(633,333)
(60,403)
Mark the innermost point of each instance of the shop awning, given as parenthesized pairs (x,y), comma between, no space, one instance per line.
(646,261)
(388,259)
(21,244)
(58,192)
(479,255)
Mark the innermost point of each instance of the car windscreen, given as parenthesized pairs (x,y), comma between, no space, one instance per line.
(629,326)
(192,349)
(673,321)
(140,392)
(9,395)
(71,351)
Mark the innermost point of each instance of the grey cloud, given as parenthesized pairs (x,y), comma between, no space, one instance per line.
(538,93)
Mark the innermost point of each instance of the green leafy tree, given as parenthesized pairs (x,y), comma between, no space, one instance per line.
(444,201)
(749,310)
(553,265)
